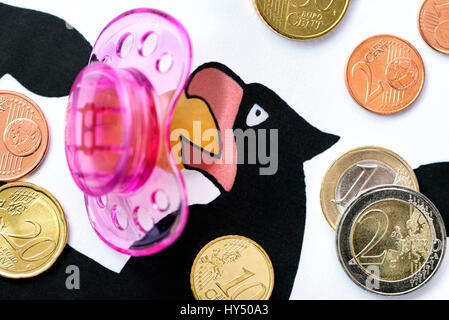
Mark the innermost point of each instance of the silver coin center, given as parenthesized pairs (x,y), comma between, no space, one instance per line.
(360,177)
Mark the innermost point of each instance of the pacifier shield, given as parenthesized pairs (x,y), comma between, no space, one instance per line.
(117,139)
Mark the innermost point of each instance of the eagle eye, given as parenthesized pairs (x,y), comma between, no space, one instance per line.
(256,116)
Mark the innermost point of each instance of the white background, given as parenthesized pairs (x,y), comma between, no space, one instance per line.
(309,76)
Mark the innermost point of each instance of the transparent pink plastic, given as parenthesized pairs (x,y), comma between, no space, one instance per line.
(117,132)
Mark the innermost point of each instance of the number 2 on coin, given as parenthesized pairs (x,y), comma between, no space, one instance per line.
(33,242)
(366,69)
(382,221)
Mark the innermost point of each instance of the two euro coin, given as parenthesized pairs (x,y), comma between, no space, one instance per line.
(391,240)
(390,237)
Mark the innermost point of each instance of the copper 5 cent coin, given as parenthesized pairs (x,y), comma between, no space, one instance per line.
(357,171)
(232,268)
(433,23)
(385,74)
(24,136)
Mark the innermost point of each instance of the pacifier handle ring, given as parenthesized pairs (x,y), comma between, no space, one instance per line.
(152,60)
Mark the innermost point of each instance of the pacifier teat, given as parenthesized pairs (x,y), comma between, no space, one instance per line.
(117,139)
(112,135)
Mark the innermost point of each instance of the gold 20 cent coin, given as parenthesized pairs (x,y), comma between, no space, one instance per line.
(232,268)
(302,19)
(357,171)
(33,230)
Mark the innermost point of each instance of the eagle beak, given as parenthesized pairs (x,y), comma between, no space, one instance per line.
(192,121)
(202,121)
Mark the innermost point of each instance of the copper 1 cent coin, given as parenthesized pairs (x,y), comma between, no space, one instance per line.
(24,136)
(385,74)
(433,23)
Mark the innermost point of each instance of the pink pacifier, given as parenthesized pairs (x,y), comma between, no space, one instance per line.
(117,132)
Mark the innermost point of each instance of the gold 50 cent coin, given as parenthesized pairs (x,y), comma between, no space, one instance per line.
(391,240)
(359,170)
(232,268)
(302,19)
(33,230)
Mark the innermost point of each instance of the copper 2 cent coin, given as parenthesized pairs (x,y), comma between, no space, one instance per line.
(433,22)
(385,74)
(24,136)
